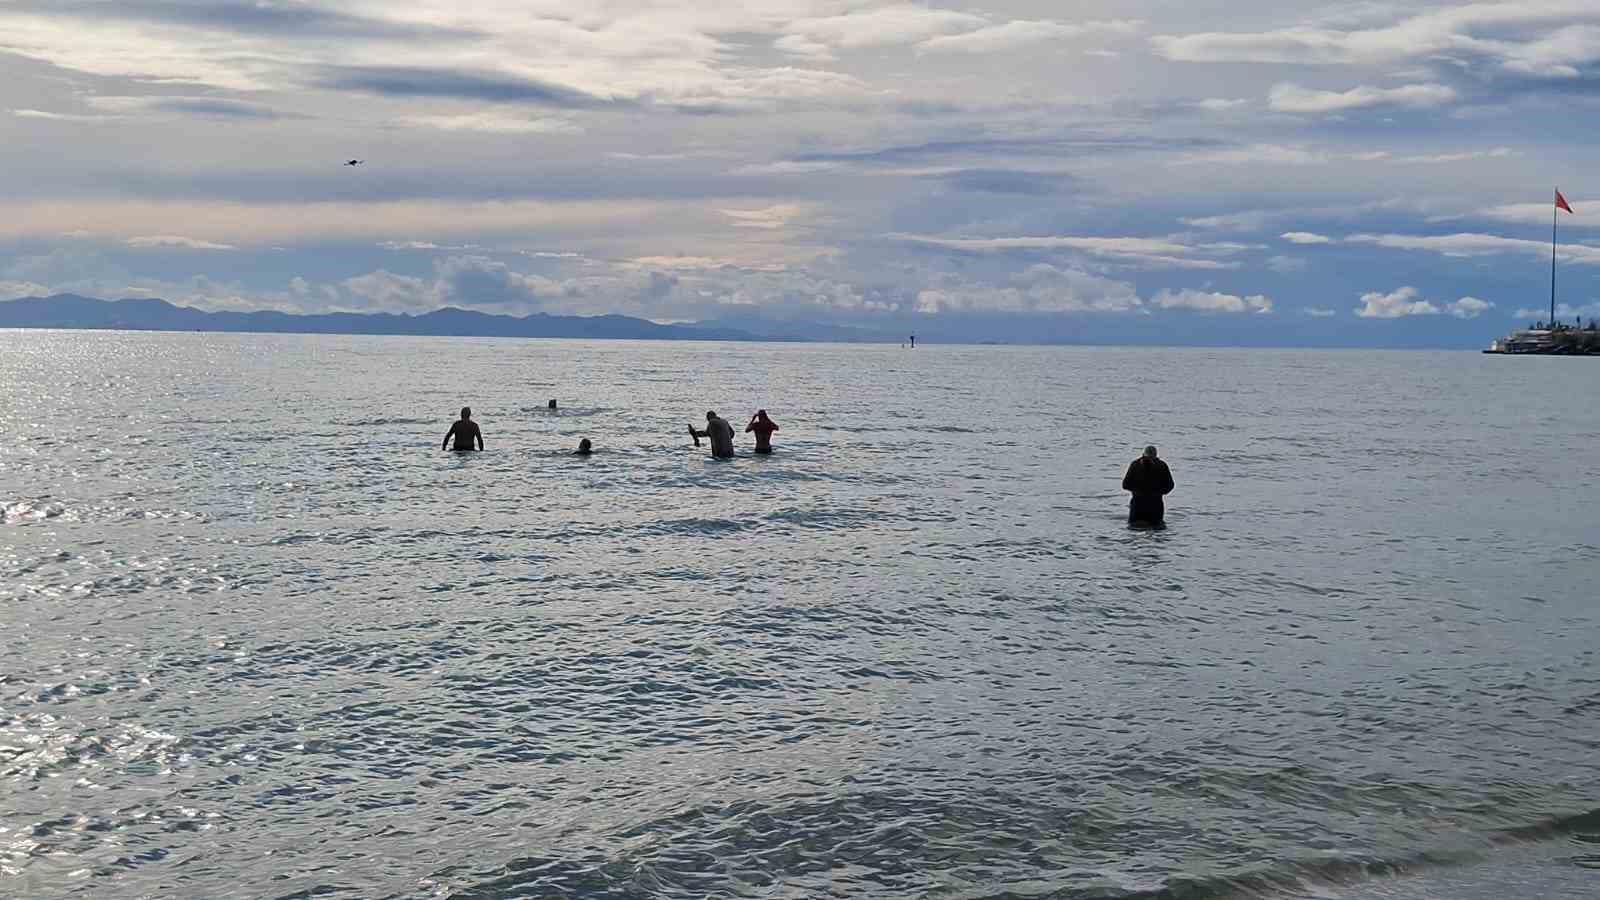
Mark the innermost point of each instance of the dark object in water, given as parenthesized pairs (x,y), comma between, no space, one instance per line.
(1148,480)
(465,432)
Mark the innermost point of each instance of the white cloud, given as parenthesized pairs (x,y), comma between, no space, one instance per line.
(902,23)
(1468,245)
(1221,104)
(58,117)
(1211,302)
(386,291)
(702,263)
(1469,307)
(1038,289)
(1161,253)
(174,241)
(1585,214)
(1021,32)
(1564,312)
(1305,237)
(1292,98)
(493,123)
(239,223)
(1394,305)
(1495,153)
(12,290)
(1251,220)
(1318,312)
(1544,37)
(804,47)
(1255,154)
(769,218)
(1287,265)
(1305,155)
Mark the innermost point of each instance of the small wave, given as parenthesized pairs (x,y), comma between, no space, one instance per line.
(23,512)
(393,420)
(566,412)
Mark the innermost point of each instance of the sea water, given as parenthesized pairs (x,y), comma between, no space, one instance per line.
(262,638)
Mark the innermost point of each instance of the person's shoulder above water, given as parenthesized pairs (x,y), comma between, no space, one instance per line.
(465,432)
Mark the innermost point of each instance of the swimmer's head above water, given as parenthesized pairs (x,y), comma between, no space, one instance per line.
(585,447)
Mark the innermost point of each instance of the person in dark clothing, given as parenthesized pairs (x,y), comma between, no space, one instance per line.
(720,433)
(763,428)
(584,448)
(465,432)
(1149,480)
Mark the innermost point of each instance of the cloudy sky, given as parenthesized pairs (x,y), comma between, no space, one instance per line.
(1217,171)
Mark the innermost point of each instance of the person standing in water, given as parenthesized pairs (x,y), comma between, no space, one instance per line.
(763,428)
(465,431)
(720,433)
(913,342)
(1149,480)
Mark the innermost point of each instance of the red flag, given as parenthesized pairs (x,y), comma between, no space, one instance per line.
(1561,202)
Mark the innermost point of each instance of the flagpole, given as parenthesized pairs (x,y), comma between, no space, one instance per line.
(1553,210)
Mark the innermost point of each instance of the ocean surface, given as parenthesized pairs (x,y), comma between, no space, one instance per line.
(263,639)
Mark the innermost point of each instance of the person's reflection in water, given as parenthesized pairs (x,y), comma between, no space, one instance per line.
(1149,480)
(465,431)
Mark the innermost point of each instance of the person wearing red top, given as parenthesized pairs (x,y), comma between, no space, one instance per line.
(763,428)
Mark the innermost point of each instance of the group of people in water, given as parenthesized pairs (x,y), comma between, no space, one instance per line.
(465,435)
(1148,479)
(720,433)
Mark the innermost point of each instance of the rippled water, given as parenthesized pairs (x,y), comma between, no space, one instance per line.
(264,639)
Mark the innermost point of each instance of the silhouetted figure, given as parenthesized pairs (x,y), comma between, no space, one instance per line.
(584,448)
(913,342)
(355,162)
(552,406)
(1149,480)
(465,431)
(763,428)
(720,433)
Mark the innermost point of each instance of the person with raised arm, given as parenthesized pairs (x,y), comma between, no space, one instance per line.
(763,428)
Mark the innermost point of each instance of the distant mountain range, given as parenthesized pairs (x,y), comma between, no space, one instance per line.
(148,314)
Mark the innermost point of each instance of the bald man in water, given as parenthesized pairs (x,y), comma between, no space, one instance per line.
(720,433)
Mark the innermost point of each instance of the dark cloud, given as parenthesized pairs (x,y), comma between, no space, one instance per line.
(450,83)
(252,17)
(1007,181)
(225,109)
